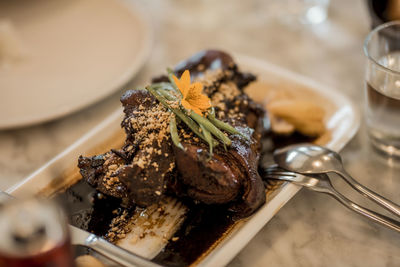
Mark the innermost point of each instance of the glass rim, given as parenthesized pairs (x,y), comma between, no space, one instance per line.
(368,39)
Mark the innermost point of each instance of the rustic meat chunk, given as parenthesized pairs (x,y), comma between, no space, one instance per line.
(230,176)
(211,181)
(147,184)
(149,165)
(144,162)
(135,103)
(101,171)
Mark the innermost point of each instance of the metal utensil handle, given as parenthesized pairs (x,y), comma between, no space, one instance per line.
(376,217)
(117,254)
(387,204)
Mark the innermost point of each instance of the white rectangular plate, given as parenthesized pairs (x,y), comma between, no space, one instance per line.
(342,121)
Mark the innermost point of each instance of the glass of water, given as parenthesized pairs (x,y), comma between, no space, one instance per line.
(382,105)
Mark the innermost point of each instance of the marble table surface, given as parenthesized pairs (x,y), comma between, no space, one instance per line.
(312,229)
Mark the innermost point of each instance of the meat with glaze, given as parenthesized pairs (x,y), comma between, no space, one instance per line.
(150,165)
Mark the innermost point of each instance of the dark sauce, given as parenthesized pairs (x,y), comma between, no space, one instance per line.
(89,209)
(202,228)
(204,225)
(93,211)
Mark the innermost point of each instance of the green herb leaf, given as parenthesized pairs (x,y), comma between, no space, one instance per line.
(174,133)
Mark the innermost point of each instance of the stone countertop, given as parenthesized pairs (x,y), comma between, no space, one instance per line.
(312,229)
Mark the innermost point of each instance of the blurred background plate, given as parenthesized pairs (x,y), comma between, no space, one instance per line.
(57,57)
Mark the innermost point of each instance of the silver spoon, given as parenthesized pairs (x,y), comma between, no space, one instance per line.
(312,159)
(321,183)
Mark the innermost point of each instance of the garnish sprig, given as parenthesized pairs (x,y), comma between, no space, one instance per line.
(171,96)
(174,132)
(188,121)
(223,125)
(208,137)
(211,128)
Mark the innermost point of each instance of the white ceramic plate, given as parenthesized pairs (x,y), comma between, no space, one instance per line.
(342,121)
(68,54)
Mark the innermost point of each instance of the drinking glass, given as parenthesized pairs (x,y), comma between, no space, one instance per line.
(382,105)
(33,233)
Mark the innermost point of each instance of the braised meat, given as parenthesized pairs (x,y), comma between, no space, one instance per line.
(150,165)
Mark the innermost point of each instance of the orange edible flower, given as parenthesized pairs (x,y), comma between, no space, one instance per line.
(192,96)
